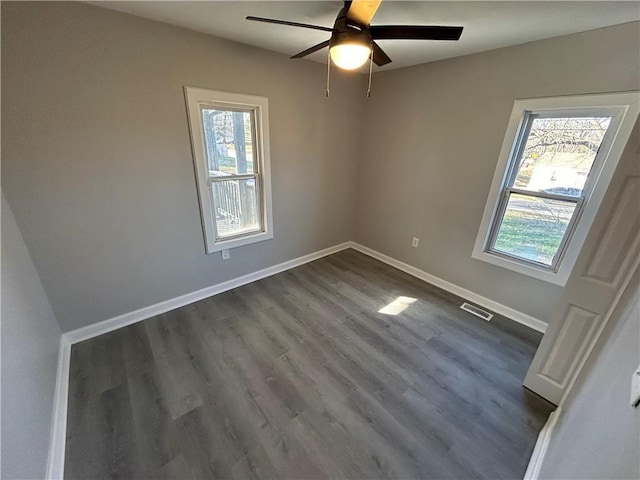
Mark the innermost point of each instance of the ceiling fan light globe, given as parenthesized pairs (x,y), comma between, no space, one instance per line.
(349,56)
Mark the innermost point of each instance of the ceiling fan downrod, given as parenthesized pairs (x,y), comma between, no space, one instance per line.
(328,72)
(370,73)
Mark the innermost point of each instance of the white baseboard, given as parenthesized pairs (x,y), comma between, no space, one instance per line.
(496,307)
(90,331)
(542,444)
(55,462)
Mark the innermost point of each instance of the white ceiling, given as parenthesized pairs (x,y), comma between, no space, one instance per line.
(487,25)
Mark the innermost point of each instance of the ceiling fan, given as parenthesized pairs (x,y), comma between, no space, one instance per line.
(353,38)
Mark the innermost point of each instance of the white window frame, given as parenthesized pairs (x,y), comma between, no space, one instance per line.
(196,99)
(624,108)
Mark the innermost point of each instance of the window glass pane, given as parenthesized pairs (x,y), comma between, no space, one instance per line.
(559,154)
(229,141)
(532,228)
(236,207)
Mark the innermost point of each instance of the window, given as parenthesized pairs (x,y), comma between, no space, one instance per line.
(557,159)
(230,144)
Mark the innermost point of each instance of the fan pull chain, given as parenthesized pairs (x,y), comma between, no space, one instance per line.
(328,71)
(370,72)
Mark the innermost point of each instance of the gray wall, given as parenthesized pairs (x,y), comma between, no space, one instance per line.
(97,165)
(598,433)
(30,340)
(97,162)
(431,139)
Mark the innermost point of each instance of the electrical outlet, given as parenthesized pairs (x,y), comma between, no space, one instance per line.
(225,254)
(414,242)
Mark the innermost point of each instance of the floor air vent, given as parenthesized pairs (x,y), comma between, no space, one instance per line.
(477,311)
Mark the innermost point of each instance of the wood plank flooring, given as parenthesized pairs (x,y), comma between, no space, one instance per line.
(300,375)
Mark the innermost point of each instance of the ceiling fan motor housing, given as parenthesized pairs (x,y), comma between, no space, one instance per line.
(351,36)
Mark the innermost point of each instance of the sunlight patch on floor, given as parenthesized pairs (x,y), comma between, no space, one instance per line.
(399,305)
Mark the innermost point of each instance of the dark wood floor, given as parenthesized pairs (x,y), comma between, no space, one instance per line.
(300,376)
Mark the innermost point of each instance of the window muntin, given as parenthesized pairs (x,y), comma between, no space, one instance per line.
(230,144)
(546,185)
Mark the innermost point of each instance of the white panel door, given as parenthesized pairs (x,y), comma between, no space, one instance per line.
(608,258)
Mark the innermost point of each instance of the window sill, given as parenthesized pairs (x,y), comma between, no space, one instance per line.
(557,278)
(239,242)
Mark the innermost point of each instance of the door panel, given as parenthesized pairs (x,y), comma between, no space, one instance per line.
(578,327)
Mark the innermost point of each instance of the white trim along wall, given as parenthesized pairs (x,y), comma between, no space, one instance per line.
(55,469)
(544,437)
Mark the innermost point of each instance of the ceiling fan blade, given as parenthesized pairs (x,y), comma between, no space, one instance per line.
(291,24)
(315,48)
(414,32)
(362,11)
(379,57)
